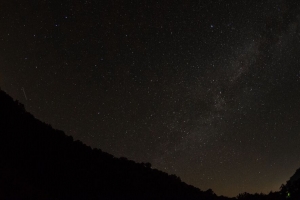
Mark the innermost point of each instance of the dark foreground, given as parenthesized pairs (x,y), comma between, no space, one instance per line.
(39,162)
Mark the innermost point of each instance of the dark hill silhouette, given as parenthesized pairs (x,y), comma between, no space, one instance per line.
(290,191)
(39,162)
(296,176)
(292,187)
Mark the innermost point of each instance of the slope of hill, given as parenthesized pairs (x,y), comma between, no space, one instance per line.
(39,162)
(292,187)
(296,176)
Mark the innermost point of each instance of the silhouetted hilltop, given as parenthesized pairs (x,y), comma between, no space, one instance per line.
(296,176)
(39,162)
(290,191)
(292,187)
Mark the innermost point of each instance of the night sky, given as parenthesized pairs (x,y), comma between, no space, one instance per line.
(208,90)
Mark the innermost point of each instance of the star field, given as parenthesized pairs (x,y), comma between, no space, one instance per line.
(206,90)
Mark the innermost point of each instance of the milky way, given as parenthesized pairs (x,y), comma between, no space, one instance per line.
(206,90)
